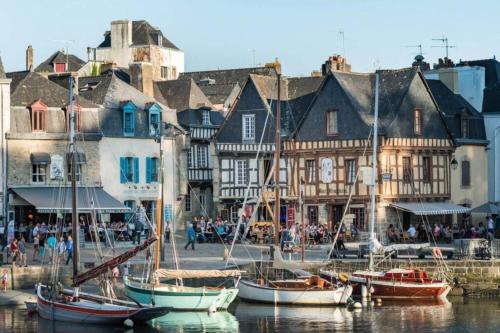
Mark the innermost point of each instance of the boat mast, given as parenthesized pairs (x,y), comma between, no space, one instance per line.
(374,172)
(159,212)
(74,211)
(277,143)
(303,235)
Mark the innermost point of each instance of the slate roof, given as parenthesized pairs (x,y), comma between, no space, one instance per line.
(305,101)
(218,93)
(454,107)
(28,87)
(227,76)
(180,94)
(191,117)
(143,33)
(2,71)
(491,97)
(74,63)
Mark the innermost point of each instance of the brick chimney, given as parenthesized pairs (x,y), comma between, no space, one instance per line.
(29,58)
(335,63)
(141,77)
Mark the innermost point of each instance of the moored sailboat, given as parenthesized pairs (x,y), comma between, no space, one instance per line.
(56,304)
(394,283)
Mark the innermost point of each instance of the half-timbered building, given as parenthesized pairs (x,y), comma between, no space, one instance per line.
(330,152)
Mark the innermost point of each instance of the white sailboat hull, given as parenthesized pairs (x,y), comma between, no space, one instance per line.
(254,292)
(180,297)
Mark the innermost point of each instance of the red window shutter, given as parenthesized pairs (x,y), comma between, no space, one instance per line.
(60,67)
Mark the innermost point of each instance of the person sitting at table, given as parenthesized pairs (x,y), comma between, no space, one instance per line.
(391,235)
(221,231)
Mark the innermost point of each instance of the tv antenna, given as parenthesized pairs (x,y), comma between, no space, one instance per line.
(419,46)
(66,43)
(447,46)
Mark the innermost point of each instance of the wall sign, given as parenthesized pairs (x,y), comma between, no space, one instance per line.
(56,167)
(327,170)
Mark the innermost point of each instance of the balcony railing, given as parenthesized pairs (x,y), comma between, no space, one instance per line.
(200,174)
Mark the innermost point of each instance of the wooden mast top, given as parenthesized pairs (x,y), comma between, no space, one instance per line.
(74,210)
(277,156)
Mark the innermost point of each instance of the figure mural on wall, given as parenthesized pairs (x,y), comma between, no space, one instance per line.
(327,170)
(56,167)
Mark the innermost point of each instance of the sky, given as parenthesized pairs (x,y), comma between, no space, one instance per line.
(235,33)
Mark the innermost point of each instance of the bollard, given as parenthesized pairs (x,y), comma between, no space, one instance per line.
(226,254)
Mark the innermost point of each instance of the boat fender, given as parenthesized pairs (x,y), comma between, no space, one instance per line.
(436,252)
(212,309)
(343,277)
(128,323)
(357,305)
(379,301)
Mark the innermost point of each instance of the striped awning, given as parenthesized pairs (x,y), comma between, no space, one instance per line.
(430,208)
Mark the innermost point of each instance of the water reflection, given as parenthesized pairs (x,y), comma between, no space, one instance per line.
(197,322)
(464,315)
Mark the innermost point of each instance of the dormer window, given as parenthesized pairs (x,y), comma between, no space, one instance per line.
(154,118)
(248,123)
(38,116)
(128,110)
(206,117)
(331,123)
(464,127)
(60,67)
(417,122)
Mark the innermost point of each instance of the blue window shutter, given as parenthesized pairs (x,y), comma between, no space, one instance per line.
(123,170)
(136,170)
(148,170)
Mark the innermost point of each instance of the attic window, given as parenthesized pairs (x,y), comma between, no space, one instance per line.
(464,127)
(417,122)
(206,117)
(89,86)
(159,39)
(59,67)
(331,123)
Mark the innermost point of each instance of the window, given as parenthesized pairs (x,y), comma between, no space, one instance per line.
(187,203)
(426,169)
(312,214)
(38,120)
(190,158)
(464,127)
(249,127)
(154,123)
(359,217)
(164,72)
(203,199)
(206,117)
(350,171)
(129,170)
(417,126)
(128,118)
(406,170)
(202,156)
(465,173)
(174,72)
(331,123)
(78,173)
(38,173)
(268,164)
(311,171)
(59,67)
(241,172)
(152,164)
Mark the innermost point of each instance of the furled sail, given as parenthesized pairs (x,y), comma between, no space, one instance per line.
(196,274)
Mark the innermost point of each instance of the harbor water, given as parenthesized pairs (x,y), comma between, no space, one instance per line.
(458,315)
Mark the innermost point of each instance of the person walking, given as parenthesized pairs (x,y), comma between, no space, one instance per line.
(167,232)
(36,247)
(69,250)
(51,242)
(191,236)
(41,246)
(61,248)
(21,244)
(14,249)
(139,227)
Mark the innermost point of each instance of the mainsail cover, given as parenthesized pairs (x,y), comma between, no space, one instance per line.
(280,263)
(110,264)
(196,274)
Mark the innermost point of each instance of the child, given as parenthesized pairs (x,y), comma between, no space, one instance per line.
(4,280)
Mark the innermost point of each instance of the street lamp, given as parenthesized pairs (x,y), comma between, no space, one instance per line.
(454,163)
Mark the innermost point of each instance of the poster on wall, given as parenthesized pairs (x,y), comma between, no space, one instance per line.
(167,213)
(56,167)
(327,170)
